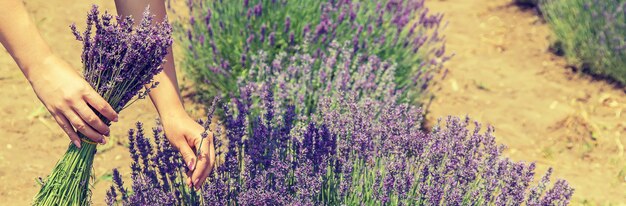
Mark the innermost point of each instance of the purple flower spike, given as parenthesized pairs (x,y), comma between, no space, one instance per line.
(287,25)
(258,9)
(291,38)
(262,33)
(243,60)
(272,38)
(207,17)
(306,29)
(75,32)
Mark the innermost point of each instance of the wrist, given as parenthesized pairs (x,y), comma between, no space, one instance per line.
(31,70)
(172,115)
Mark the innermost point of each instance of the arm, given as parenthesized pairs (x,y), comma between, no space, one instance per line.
(181,130)
(66,95)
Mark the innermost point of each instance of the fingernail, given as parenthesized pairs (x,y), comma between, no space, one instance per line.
(115,120)
(108,134)
(76,143)
(190,165)
(103,141)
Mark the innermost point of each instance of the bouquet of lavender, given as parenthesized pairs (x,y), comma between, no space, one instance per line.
(222,36)
(592,34)
(353,152)
(118,60)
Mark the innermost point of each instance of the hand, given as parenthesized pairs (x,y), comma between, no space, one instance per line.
(185,135)
(67,96)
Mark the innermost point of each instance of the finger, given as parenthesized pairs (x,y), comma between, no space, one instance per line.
(188,179)
(207,171)
(188,155)
(97,102)
(67,128)
(205,161)
(91,118)
(82,127)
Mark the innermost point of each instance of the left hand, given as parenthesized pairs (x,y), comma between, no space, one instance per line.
(185,135)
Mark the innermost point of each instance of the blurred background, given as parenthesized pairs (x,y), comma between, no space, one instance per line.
(507,72)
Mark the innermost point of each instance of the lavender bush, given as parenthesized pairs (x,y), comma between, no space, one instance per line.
(222,36)
(592,34)
(352,152)
(302,79)
(118,60)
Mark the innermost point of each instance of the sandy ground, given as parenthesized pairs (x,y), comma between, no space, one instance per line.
(501,75)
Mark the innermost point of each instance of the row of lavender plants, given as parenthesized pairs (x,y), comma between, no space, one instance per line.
(221,37)
(352,152)
(359,146)
(591,33)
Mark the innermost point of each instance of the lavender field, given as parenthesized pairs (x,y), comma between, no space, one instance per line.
(338,102)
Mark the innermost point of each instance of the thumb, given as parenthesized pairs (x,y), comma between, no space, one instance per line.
(188,155)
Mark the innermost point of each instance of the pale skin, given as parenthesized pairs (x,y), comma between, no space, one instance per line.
(67,96)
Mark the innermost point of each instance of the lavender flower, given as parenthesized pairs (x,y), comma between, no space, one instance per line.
(287,25)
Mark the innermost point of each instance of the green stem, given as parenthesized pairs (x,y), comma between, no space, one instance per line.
(68,183)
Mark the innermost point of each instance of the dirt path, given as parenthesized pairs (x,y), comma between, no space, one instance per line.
(503,75)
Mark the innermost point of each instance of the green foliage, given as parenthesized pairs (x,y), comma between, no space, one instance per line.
(592,34)
(221,37)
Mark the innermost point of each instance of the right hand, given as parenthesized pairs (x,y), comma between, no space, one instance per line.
(67,96)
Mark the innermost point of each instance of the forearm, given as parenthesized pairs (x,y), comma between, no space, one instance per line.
(166,96)
(20,37)
(182,131)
